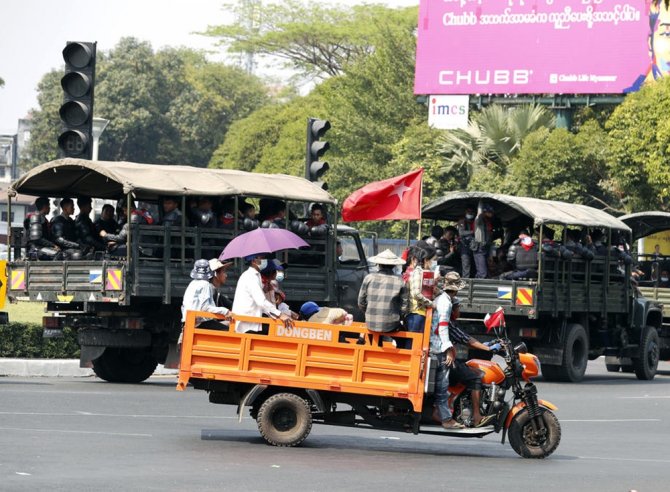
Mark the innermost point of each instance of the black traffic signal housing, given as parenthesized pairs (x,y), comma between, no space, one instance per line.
(76,112)
(315,168)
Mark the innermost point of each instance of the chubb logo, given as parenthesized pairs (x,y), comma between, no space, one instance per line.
(485,77)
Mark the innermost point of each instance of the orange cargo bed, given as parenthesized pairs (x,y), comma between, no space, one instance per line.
(309,356)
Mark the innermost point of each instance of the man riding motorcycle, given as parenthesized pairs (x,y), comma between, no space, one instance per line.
(460,372)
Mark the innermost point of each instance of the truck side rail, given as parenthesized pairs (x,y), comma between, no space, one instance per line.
(309,356)
(564,286)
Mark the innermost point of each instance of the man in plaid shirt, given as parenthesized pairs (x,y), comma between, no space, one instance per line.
(383,295)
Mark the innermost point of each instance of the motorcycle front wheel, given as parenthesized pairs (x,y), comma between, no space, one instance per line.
(526,443)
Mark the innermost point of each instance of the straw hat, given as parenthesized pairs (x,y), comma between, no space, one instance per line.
(386,257)
(215,264)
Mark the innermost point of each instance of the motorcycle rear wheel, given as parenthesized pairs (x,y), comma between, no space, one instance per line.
(525,444)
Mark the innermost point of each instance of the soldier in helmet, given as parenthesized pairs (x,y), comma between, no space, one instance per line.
(40,246)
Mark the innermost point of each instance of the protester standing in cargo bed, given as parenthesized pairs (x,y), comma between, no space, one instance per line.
(418,302)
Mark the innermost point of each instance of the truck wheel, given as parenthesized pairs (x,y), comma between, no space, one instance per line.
(646,364)
(125,365)
(526,443)
(284,420)
(575,357)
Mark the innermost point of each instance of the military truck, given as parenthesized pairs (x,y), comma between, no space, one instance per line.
(651,284)
(127,308)
(576,309)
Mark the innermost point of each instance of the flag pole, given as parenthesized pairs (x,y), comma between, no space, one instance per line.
(409,232)
(418,234)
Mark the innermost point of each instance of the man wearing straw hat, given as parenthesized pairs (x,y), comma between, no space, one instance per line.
(383,295)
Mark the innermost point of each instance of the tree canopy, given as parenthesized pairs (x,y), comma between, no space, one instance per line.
(639,131)
(314,39)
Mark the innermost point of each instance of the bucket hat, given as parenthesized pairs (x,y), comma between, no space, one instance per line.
(201,270)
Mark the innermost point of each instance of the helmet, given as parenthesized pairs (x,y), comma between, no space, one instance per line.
(201,270)
(308,309)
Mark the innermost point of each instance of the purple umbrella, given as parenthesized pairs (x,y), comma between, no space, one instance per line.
(261,241)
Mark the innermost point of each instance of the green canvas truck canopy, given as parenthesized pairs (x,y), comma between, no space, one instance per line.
(507,208)
(645,224)
(111,180)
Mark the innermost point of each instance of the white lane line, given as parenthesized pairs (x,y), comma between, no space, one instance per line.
(636,460)
(90,414)
(125,434)
(645,397)
(610,420)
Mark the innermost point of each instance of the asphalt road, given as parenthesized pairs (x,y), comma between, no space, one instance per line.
(85,434)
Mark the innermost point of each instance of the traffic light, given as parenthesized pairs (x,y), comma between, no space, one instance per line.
(314,168)
(76,113)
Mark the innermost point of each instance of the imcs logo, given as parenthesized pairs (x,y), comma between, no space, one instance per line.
(448,112)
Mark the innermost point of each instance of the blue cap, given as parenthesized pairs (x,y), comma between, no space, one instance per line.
(309,308)
(250,258)
(273,266)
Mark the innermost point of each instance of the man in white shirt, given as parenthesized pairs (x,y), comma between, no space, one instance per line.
(250,299)
(199,296)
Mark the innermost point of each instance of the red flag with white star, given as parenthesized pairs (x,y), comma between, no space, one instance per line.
(397,198)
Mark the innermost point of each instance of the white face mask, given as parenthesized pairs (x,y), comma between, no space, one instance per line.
(279,277)
(469,216)
(433,265)
(664,279)
(263,264)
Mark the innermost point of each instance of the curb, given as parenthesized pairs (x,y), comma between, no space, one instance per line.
(57,368)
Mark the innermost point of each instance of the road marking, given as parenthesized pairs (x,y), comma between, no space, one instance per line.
(90,414)
(125,434)
(610,420)
(636,460)
(645,397)
(23,473)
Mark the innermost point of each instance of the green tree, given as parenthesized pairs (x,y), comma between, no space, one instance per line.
(639,131)
(493,137)
(560,165)
(311,38)
(271,140)
(170,107)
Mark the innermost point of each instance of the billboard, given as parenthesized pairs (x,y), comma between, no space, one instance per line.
(540,46)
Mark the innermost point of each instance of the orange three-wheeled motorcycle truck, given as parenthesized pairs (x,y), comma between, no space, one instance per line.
(317,373)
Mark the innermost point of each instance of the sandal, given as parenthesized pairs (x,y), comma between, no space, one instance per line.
(452,424)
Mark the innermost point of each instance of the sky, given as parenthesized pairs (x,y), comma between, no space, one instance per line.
(34,33)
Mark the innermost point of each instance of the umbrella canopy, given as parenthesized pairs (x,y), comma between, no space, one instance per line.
(261,241)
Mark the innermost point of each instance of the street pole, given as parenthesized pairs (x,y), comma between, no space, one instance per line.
(99,125)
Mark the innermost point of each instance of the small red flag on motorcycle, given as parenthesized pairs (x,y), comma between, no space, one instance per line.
(495,319)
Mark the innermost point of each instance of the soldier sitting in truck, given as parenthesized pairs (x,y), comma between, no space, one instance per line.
(106,221)
(522,255)
(86,233)
(40,246)
(171,212)
(116,243)
(63,231)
